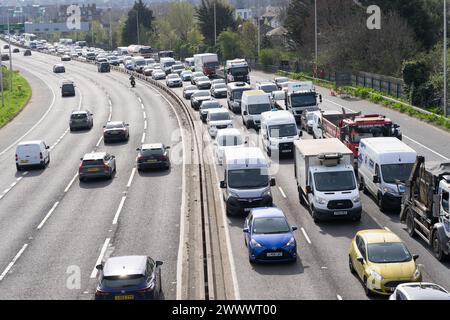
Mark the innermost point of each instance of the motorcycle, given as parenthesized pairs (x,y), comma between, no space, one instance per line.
(133,83)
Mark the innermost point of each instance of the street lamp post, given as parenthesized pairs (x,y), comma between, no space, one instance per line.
(1,80)
(215,24)
(10,57)
(445,58)
(315,38)
(110,29)
(137,26)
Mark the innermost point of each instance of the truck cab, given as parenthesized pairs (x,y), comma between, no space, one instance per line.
(237,70)
(247,183)
(234,95)
(300,96)
(254,102)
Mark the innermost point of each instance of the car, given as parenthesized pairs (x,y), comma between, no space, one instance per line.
(382,261)
(206,106)
(307,121)
(113,60)
(158,74)
(16,50)
(196,74)
(5,57)
(198,97)
(147,71)
(59,68)
(219,90)
(129,278)
(218,119)
(269,237)
(116,131)
(186,75)
(152,156)
(177,68)
(74,55)
(188,91)
(203,82)
(81,120)
(281,82)
(217,81)
(6,46)
(32,154)
(68,88)
(27,52)
(66,58)
(97,165)
(226,139)
(419,291)
(267,86)
(103,67)
(174,80)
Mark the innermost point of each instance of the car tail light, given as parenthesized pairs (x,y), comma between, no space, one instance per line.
(105,167)
(147,290)
(140,158)
(17,157)
(40,155)
(163,158)
(102,294)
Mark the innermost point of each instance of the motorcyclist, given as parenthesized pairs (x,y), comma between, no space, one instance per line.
(132,81)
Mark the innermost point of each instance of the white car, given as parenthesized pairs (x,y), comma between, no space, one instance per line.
(32,153)
(419,291)
(174,80)
(158,75)
(218,119)
(225,140)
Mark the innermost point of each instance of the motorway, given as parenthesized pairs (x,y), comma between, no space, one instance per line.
(81,217)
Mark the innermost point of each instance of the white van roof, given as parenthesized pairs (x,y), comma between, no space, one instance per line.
(313,147)
(218,110)
(23,143)
(228,132)
(277,116)
(389,150)
(245,157)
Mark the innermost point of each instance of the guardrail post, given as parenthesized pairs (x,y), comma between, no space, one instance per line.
(389,87)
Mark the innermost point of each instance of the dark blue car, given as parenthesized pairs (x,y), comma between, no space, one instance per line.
(129,278)
(269,237)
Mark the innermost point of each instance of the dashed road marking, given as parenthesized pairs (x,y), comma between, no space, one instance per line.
(48,215)
(282,192)
(306,235)
(100,257)
(14,260)
(119,210)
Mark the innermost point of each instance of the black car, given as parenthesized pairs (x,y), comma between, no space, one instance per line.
(27,52)
(81,120)
(198,97)
(116,131)
(16,50)
(68,89)
(129,278)
(152,156)
(104,67)
(219,90)
(5,57)
(59,68)
(6,46)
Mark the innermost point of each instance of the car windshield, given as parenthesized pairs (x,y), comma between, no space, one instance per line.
(361,132)
(281,80)
(173,76)
(220,86)
(145,50)
(283,130)
(248,178)
(334,181)
(270,225)
(229,141)
(202,79)
(303,100)
(177,67)
(152,152)
(190,88)
(78,116)
(169,64)
(268,88)
(123,281)
(213,64)
(114,125)
(258,108)
(211,105)
(219,116)
(237,94)
(392,172)
(140,63)
(94,162)
(201,94)
(198,74)
(67,87)
(388,252)
(239,71)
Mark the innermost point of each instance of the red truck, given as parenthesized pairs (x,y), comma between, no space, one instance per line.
(350,128)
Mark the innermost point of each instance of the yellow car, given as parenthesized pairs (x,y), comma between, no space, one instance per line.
(382,261)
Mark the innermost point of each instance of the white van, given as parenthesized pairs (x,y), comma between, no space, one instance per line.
(384,164)
(246,182)
(166,64)
(218,119)
(254,102)
(32,153)
(138,63)
(226,139)
(278,131)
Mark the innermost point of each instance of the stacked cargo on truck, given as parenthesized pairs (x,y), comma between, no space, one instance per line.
(208,63)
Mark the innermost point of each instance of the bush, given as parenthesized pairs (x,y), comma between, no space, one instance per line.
(267,57)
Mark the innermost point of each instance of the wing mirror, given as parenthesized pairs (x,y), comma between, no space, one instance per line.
(245,113)
(360,259)
(158,263)
(246,230)
(376,179)
(223,184)
(320,98)
(272,182)
(294,228)
(415,257)
(99,267)
(309,189)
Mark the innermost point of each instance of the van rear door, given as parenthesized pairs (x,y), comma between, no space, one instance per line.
(28,154)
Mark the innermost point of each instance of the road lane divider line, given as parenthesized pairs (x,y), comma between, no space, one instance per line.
(14,260)
(306,235)
(387,229)
(339,297)
(47,216)
(282,192)
(410,139)
(130,180)
(143,138)
(119,210)
(145,115)
(99,141)
(145,125)
(70,183)
(100,257)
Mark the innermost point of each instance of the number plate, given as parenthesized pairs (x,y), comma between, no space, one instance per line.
(127,297)
(151,161)
(274,254)
(286,150)
(23,161)
(340,213)
(93,170)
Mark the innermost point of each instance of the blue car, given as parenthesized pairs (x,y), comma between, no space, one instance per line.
(129,278)
(269,237)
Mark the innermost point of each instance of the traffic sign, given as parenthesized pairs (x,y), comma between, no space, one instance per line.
(12,26)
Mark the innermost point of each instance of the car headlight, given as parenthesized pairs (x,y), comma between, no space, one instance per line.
(273,142)
(266,193)
(233,194)
(291,242)
(320,200)
(389,189)
(376,275)
(356,199)
(230,125)
(416,274)
(255,243)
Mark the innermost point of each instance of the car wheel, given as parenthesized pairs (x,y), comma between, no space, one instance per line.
(269,151)
(381,204)
(301,197)
(82,179)
(19,168)
(314,215)
(364,188)
(366,287)
(350,265)
(48,159)
(410,224)
(437,248)
(71,129)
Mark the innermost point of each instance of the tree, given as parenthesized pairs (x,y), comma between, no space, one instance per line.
(229,45)
(145,16)
(205,15)
(248,38)
(181,18)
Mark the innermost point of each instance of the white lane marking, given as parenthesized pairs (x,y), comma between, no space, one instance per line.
(387,229)
(282,192)
(100,257)
(143,138)
(305,235)
(19,178)
(48,215)
(131,177)
(142,106)
(139,98)
(405,136)
(339,297)
(25,173)
(145,125)
(145,115)
(13,184)
(37,123)
(119,210)
(99,141)
(6,191)
(70,183)
(11,264)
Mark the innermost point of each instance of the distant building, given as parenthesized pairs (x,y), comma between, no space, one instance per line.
(244,14)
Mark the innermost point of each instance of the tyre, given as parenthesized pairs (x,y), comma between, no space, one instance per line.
(19,168)
(71,129)
(48,160)
(301,197)
(269,151)
(366,287)
(410,224)
(357,218)
(381,203)
(314,215)
(437,248)
(350,265)
(364,188)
